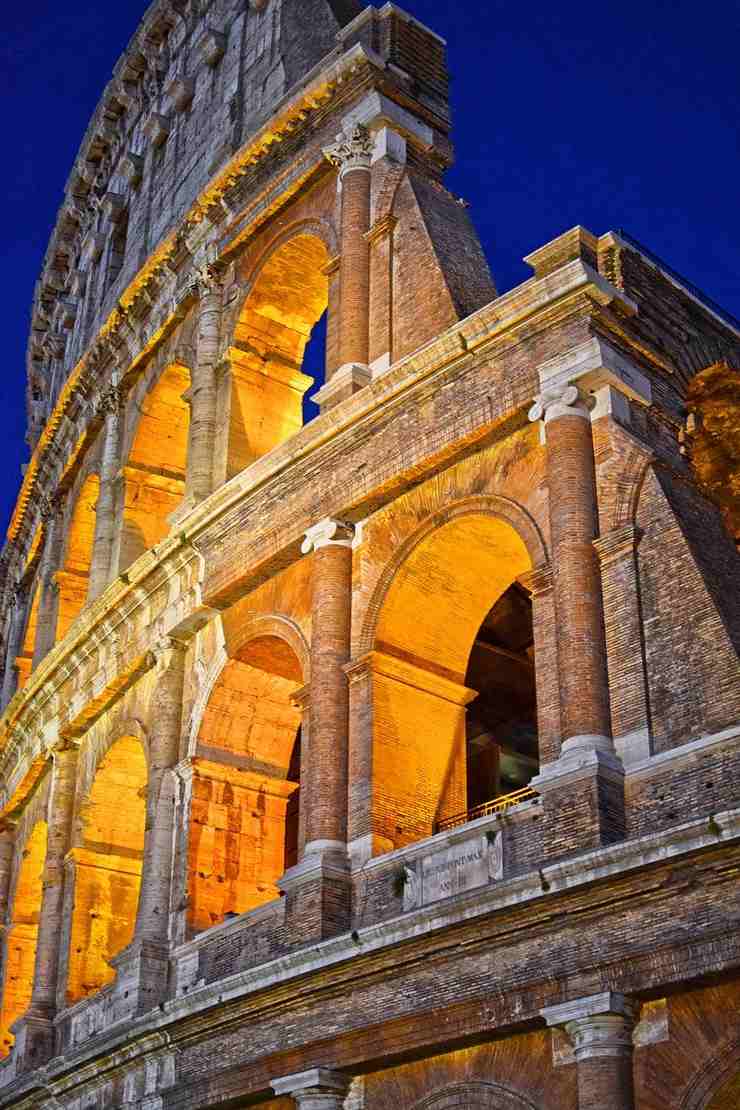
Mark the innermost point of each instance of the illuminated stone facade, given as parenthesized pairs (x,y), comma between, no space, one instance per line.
(391,760)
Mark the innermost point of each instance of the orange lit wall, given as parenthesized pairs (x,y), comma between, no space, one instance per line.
(240,786)
(107,867)
(21,936)
(425,632)
(25,660)
(154,475)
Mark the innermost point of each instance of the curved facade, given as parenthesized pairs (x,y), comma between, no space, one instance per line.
(387,757)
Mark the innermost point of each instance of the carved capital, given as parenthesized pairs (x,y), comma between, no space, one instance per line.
(351,151)
(111,402)
(561,400)
(167,653)
(600,1025)
(329,533)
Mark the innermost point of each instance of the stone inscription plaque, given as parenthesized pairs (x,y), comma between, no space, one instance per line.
(453,870)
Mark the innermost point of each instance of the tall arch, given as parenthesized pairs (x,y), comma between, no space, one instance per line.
(475,1096)
(22,934)
(24,659)
(449,659)
(244,808)
(155,470)
(107,862)
(262,386)
(73,579)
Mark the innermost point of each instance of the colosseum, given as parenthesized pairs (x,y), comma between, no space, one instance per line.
(381,754)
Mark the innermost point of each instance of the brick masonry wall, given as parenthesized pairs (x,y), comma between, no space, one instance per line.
(688,591)
(700,785)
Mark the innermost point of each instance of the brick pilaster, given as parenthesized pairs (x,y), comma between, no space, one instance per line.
(380,240)
(539,582)
(318,889)
(630,709)
(600,1029)
(204,391)
(34,1031)
(102,569)
(317,1089)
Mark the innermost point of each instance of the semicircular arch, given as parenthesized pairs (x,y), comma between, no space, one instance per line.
(487,505)
(475,1096)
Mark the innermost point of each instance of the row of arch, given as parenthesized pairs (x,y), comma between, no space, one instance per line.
(261,403)
(246,750)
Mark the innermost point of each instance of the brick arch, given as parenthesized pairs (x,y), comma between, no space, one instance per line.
(316,228)
(475,1096)
(73,577)
(707,1086)
(24,908)
(243,742)
(98,743)
(492,505)
(629,487)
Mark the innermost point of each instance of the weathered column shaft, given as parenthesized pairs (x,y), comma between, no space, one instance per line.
(600,1030)
(61,810)
(157,870)
(102,569)
(571,481)
(544,622)
(15,640)
(204,391)
(46,619)
(326,803)
(352,155)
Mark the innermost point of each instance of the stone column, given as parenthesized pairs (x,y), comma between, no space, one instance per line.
(317,1089)
(625,646)
(102,568)
(142,967)
(584,785)
(326,811)
(204,390)
(52,509)
(318,888)
(351,155)
(15,642)
(35,1032)
(600,1029)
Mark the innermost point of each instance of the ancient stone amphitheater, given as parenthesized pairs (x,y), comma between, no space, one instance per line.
(387,758)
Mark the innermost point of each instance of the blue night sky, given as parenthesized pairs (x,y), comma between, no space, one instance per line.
(622,114)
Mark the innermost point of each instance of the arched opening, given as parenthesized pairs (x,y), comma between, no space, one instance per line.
(107,861)
(454,708)
(263,386)
(244,811)
(154,475)
(24,660)
(22,934)
(728,1096)
(73,579)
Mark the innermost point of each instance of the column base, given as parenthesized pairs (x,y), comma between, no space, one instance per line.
(318,893)
(142,975)
(348,379)
(583,798)
(34,1040)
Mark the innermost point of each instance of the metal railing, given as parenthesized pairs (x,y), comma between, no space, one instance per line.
(497,805)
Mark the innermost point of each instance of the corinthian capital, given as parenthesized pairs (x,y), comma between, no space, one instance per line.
(561,400)
(111,401)
(329,533)
(351,151)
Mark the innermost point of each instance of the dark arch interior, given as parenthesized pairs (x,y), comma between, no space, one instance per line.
(501,723)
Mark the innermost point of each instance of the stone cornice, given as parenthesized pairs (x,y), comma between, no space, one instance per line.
(326,966)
